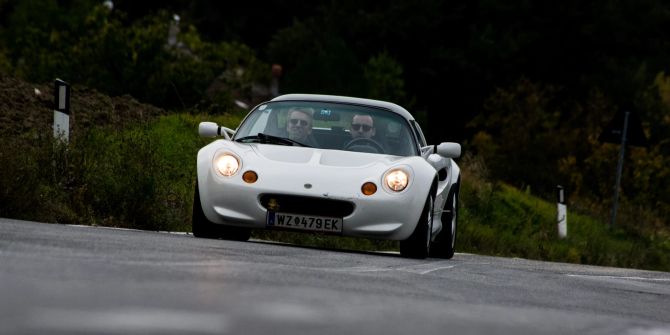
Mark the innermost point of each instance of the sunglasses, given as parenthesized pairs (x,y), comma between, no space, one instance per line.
(357,127)
(295,122)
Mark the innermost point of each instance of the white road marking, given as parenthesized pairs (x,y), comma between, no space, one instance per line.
(361,269)
(130,229)
(436,269)
(421,269)
(619,277)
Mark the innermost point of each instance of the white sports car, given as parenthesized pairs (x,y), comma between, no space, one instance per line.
(330,165)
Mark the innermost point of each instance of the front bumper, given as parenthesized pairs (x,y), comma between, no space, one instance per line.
(383,215)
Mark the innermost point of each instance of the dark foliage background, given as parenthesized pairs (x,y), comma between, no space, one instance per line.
(527,86)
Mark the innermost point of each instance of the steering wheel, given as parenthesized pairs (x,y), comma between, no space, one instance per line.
(363,144)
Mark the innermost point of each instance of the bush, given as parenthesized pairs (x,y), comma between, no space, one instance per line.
(22,178)
(92,46)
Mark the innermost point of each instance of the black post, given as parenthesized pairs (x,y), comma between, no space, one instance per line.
(619,169)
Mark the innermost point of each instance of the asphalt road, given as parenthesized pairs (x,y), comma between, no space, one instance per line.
(57,279)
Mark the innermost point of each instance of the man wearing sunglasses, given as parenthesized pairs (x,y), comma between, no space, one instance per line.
(299,125)
(362,126)
(362,135)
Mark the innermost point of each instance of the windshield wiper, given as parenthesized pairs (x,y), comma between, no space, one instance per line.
(265,138)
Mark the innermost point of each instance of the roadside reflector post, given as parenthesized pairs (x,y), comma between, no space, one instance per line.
(61,111)
(562,213)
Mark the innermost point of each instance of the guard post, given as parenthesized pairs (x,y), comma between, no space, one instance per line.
(61,111)
(562,213)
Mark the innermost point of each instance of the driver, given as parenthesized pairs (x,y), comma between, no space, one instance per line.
(362,129)
(362,126)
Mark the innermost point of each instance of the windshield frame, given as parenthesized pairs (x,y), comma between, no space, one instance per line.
(276,109)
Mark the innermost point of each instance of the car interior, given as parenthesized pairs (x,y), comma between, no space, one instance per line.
(330,131)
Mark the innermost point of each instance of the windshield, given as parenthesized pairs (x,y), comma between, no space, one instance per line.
(328,126)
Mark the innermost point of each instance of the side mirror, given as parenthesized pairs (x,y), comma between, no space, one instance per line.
(448,149)
(211,129)
(208,129)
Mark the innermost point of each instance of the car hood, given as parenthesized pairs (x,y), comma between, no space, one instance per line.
(323,157)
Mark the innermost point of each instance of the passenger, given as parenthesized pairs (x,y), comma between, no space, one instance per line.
(299,125)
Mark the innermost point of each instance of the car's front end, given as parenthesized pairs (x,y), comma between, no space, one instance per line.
(328,164)
(256,185)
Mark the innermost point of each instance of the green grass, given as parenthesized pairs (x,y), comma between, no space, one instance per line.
(497,219)
(138,177)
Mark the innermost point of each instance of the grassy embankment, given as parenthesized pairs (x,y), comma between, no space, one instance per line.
(143,177)
(498,219)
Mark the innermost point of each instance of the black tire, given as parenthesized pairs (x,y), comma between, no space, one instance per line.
(418,244)
(444,245)
(200,225)
(203,228)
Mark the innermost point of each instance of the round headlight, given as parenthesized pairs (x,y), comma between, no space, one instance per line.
(227,164)
(396,180)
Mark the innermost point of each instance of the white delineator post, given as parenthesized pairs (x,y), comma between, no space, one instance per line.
(62,111)
(562,213)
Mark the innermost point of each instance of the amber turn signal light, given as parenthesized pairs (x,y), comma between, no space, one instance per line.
(250,177)
(369,188)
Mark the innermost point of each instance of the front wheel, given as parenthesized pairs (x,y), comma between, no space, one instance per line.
(445,242)
(204,228)
(418,244)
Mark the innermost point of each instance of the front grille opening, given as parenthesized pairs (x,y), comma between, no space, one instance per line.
(306,205)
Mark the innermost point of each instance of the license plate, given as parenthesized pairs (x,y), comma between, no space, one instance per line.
(304,222)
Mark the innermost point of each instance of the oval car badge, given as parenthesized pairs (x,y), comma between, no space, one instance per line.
(308,186)
(273,204)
